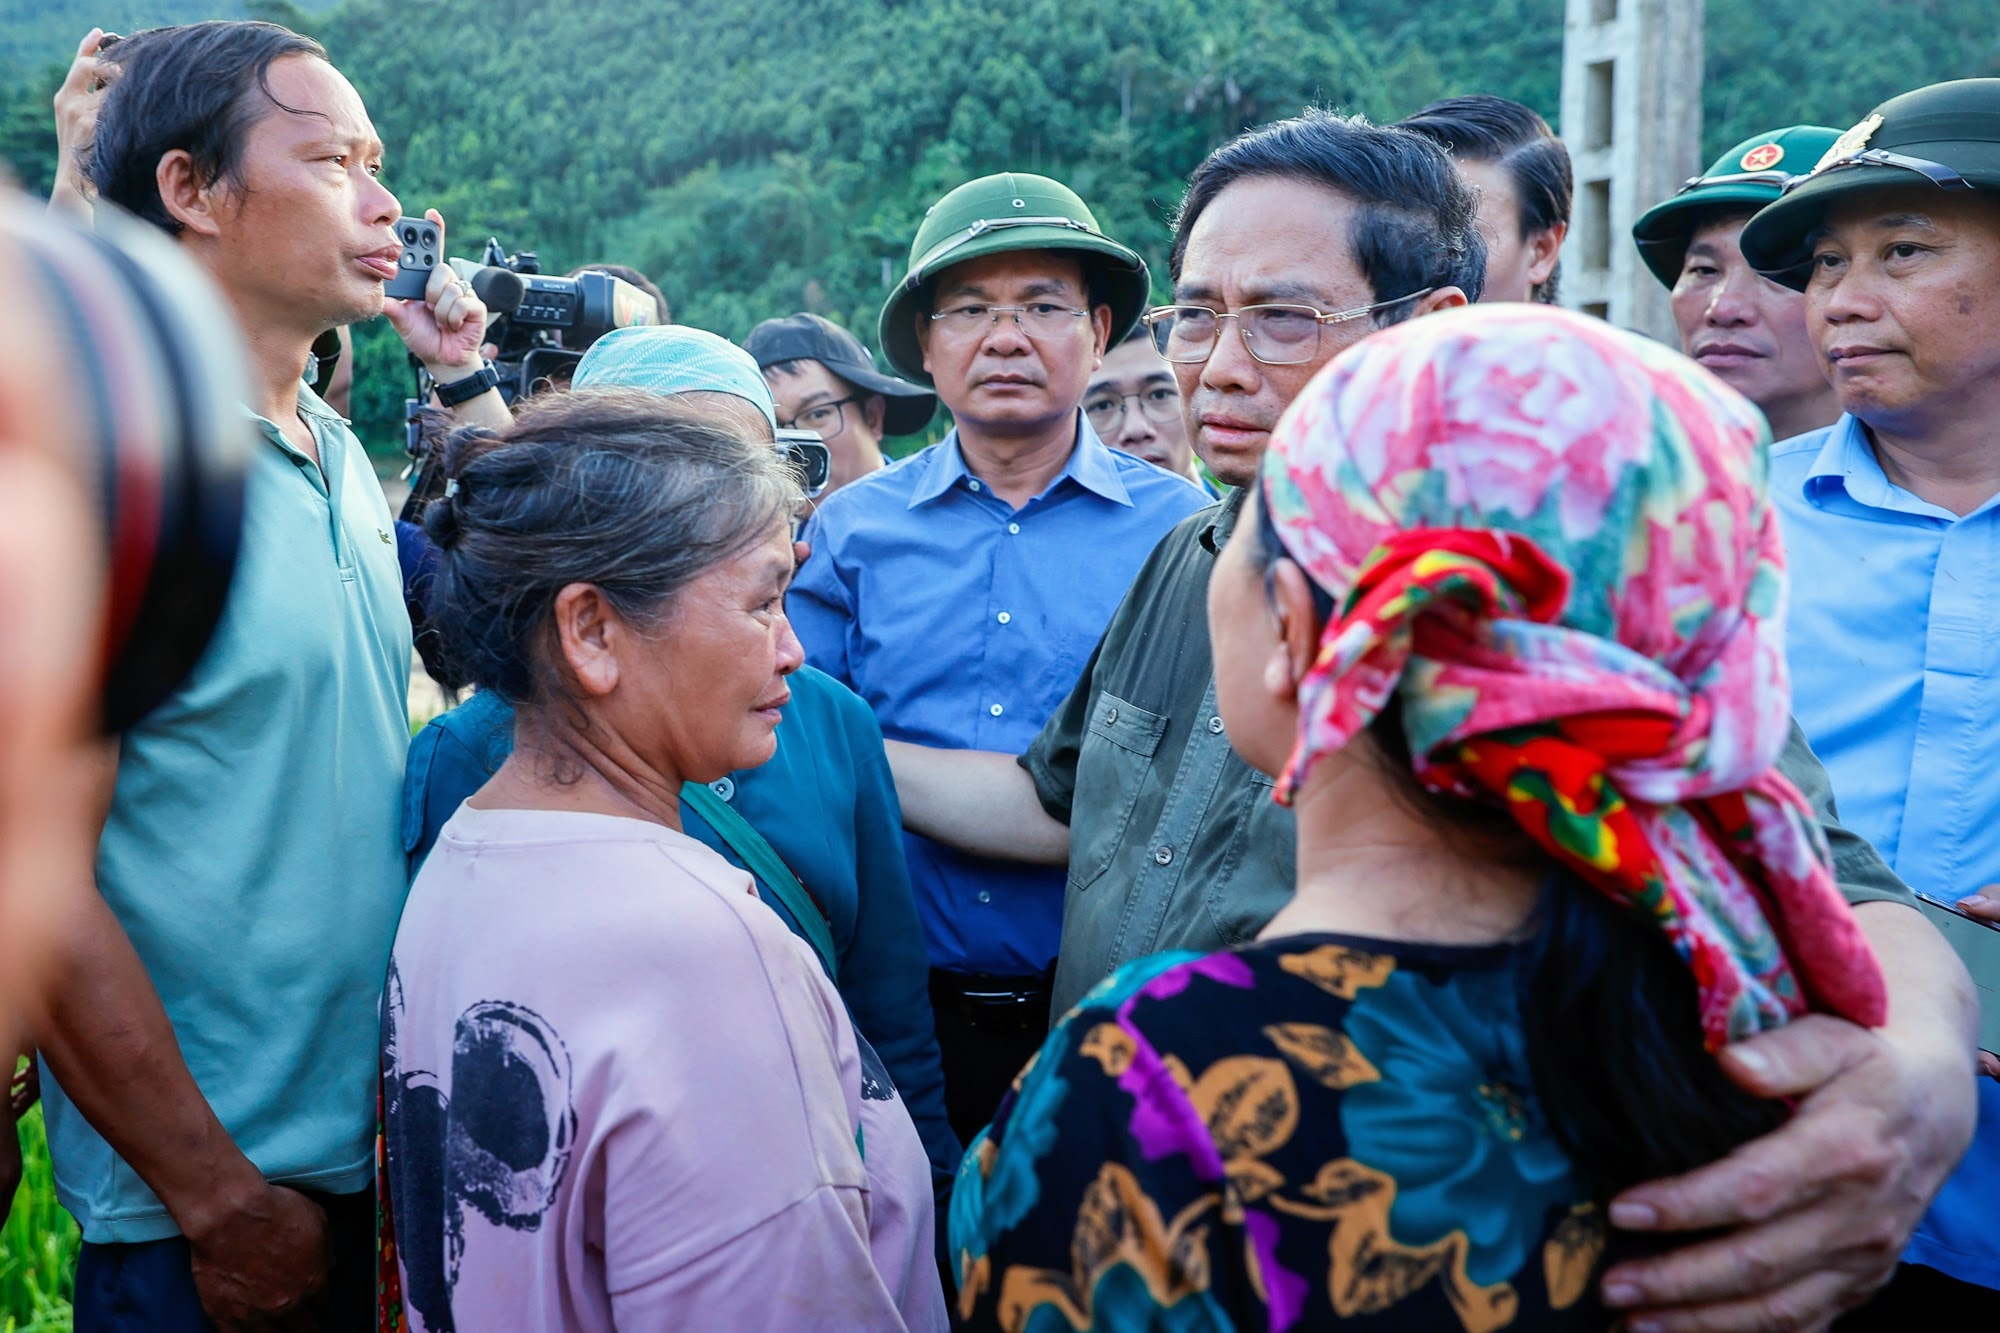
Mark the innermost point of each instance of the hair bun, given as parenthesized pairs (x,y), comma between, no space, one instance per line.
(441,518)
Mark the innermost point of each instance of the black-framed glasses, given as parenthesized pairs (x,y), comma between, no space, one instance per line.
(825,420)
(1937,173)
(1037,319)
(1278,334)
(1159,404)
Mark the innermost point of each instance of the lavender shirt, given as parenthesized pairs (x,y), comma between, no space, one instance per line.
(621,1094)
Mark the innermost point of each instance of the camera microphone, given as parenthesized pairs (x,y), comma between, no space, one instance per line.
(499,289)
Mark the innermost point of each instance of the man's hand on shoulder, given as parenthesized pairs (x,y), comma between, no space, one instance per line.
(261,1260)
(1818,1212)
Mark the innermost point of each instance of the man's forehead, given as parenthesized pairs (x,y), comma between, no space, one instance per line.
(1718,235)
(1050,269)
(1920,206)
(312,99)
(1273,239)
(1131,364)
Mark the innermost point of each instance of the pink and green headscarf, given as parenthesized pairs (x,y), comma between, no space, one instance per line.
(1551,540)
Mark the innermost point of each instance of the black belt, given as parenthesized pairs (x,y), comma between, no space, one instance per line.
(983,1000)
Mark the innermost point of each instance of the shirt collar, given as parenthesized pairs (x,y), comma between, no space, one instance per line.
(1847,465)
(318,418)
(313,405)
(1222,519)
(1090,465)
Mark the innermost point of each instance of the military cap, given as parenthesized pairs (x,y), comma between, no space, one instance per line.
(1947,134)
(1743,180)
(995,214)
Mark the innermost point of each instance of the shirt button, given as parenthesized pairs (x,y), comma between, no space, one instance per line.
(723,787)
(1111,718)
(1005,618)
(985,897)
(996,710)
(1215,726)
(1165,856)
(974,484)
(1013,529)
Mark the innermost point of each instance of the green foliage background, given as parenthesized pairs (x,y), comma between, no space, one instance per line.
(763,156)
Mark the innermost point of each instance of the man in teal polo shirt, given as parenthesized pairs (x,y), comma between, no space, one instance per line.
(210,1035)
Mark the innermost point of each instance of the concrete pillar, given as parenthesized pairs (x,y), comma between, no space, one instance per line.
(1631,116)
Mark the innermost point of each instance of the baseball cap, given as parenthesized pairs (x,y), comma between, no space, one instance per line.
(808,337)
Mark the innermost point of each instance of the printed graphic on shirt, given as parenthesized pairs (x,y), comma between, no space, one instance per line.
(498,1144)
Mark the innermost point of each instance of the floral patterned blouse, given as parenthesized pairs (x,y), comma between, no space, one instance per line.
(1308,1131)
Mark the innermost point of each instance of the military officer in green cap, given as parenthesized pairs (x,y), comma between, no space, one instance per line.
(1747,329)
(960,590)
(1892,531)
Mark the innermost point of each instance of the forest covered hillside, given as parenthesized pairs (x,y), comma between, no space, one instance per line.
(763,156)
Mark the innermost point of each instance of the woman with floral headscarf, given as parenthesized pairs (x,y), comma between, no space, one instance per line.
(1503,618)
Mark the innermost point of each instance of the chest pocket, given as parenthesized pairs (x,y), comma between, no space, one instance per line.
(1117,753)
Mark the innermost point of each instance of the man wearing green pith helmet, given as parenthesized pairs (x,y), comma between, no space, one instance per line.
(960,590)
(1748,330)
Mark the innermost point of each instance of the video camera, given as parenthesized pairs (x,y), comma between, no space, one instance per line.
(539,326)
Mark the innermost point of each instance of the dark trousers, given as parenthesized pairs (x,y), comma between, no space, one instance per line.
(1920,1299)
(987,1028)
(148,1287)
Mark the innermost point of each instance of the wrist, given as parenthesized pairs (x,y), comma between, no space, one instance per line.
(221,1200)
(448,372)
(480,381)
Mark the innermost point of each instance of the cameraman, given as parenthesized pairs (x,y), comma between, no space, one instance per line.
(210,1037)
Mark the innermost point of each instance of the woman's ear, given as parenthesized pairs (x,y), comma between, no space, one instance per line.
(1298,630)
(587,633)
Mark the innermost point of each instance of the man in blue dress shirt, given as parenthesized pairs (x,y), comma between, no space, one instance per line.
(1892,526)
(961,590)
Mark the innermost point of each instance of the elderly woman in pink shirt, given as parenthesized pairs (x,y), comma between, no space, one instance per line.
(619,1092)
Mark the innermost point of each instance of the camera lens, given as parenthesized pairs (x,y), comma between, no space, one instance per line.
(158,432)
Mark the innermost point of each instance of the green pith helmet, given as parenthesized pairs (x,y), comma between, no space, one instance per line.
(1010,211)
(1742,180)
(1946,136)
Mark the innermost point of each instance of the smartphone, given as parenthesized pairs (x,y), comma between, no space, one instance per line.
(1977,944)
(422,251)
(809,456)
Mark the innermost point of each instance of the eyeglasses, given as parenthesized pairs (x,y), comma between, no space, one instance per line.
(825,420)
(1160,405)
(1944,177)
(1277,335)
(1040,319)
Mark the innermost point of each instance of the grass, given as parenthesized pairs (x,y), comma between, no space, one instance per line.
(37,1246)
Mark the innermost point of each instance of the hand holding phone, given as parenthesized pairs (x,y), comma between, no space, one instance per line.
(422,244)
